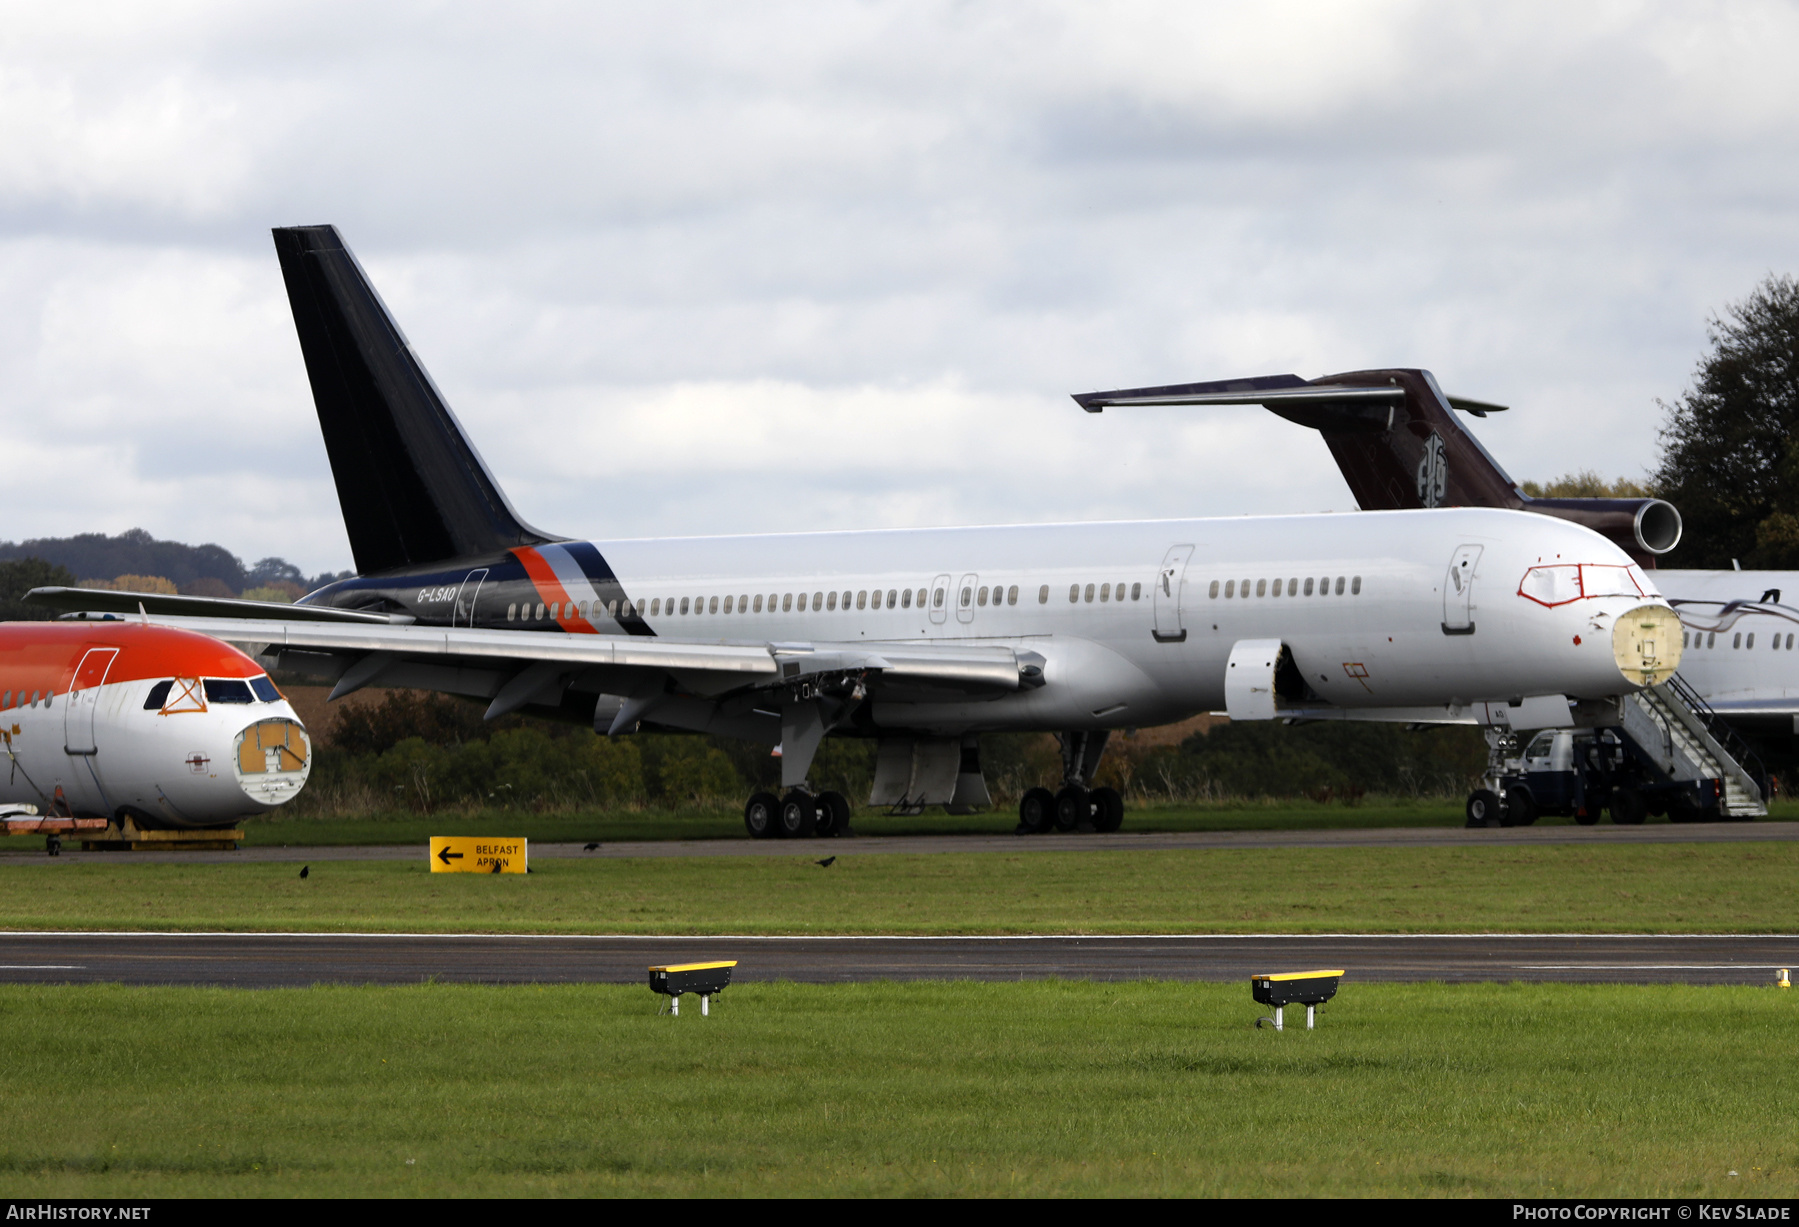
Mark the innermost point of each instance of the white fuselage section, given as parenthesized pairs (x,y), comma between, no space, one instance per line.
(1742,652)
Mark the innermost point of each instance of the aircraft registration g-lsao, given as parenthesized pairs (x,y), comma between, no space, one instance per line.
(1409,450)
(922,639)
(120,718)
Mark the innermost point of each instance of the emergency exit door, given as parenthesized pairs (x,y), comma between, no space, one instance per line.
(1168,595)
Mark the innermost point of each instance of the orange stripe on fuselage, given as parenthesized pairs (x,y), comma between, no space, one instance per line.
(44,655)
(543,578)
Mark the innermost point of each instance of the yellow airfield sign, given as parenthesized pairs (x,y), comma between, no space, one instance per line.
(477,854)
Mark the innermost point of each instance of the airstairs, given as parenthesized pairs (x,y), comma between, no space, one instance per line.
(1683,740)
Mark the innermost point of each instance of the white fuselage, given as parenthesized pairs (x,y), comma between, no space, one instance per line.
(1366,607)
(1742,653)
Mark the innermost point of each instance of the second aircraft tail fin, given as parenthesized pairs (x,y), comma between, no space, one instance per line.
(412,487)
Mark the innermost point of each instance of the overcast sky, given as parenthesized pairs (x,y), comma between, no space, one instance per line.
(727,268)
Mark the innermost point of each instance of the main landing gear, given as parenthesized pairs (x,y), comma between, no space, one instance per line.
(1075,807)
(798,815)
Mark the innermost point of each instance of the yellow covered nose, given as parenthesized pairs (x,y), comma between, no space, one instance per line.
(1646,644)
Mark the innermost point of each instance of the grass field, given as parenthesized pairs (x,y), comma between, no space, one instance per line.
(1599,888)
(1030,1089)
(400,827)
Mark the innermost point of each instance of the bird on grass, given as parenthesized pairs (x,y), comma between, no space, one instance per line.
(304,870)
(590,847)
(826,863)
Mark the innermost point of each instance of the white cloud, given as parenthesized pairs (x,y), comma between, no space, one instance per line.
(691,268)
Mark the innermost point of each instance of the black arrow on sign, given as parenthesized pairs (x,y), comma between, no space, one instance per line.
(446,856)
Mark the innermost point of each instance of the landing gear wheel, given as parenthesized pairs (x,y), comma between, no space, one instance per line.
(760,815)
(1108,810)
(1036,811)
(1520,808)
(1484,808)
(1628,807)
(1074,808)
(799,816)
(53,844)
(833,814)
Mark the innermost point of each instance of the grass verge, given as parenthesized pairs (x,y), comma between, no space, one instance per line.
(402,827)
(1032,1089)
(1591,888)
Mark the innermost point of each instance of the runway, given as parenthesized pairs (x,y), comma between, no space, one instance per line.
(21,851)
(286,960)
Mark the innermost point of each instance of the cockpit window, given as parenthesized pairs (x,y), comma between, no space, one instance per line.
(227,690)
(1565,582)
(265,689)
(159,694)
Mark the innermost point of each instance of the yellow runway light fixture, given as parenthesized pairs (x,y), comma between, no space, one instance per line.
(1282,989)
(702,978)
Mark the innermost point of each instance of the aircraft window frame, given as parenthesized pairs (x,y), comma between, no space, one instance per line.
(743,602)
(1737,642)
(154,701)
(758,608)
(1711,639)
(512,612)
(1340,582)
(1043,595)
(1293,586)
(938,599)
(1105,593)
(1211,592)
(1088,594)
(1309,583)
(540,608)
(1750,642)
(846,599)
(862,598)
(1012,595)
(967,598)
(980,597)
(685,603)
(226,690)
(831,601)
(712,605)
(818,599)
(1275,589)
(261,682)
(1355,586)
(1262,587)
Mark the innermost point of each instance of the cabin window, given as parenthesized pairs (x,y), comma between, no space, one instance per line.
(786,601)
(159,694)
(556,608)
(539,617)
(1261,587)
(581,608)
(1355,586)
(728,604)
(1211,592)
(1089,594)
(874,600)
(980,598)
(938,599)
(712,605)
(1011,595)
(512,612)
(758,602)
(684,604)
(1105,593)
(967,598)
(1340,582)
(613,609)
(1074,593)
(905,599)
(830,603)
(1751,640)
(1308,585)
(818,600)
(1230,588)
(1043,595)
(1276,590)
(655,607)
(1683,639)
(1293,587)
(862,599)
(743,602)
(846,600)
(1736,642)
(1789,641)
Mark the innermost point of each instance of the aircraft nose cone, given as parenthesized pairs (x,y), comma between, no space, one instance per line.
(1646,644)
(272,760)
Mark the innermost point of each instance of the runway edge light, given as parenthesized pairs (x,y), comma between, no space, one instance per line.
(1281,989)
(702,978)
(479,854)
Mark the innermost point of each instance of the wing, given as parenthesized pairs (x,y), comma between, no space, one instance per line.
(736,688)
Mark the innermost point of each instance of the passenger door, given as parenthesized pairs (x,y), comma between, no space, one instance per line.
(1458,591)
(1168,595)
(965,598)
(84,700)
(464,613)
(940,599)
